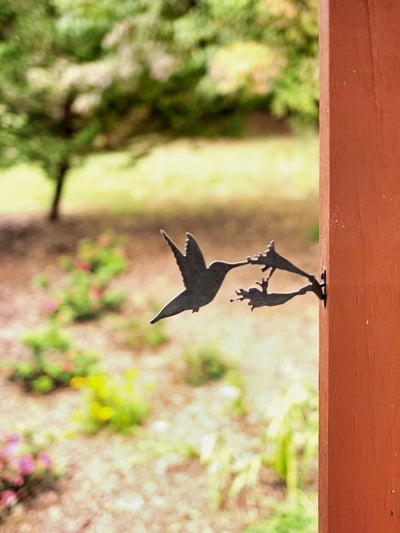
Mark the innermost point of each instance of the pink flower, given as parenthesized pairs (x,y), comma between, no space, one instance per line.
(95,293)
(45,458)
(8,498)
(26,464)
(12,447)
(68,366)
(51,306)
(7,476)
(84,265)
(14,438)
(18,480)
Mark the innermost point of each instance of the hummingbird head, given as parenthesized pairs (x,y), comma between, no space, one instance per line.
(221,269)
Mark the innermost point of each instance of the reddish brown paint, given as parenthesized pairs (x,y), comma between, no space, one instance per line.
(360,246)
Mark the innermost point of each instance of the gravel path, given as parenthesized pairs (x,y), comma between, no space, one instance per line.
(152,481)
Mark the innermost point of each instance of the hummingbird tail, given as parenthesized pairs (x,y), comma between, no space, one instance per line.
(175,306)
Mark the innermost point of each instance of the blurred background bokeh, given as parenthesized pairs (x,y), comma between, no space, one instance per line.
(119,118)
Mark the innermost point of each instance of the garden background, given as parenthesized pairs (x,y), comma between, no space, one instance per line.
(119,119)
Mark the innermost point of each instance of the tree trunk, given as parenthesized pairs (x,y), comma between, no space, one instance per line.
(64,164)
(55,211)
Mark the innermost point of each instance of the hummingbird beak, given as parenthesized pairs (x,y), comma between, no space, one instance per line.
(238,264)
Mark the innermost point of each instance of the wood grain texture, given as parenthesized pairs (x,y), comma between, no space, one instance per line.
(359,487)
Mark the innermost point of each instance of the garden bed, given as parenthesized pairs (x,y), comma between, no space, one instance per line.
(158,478)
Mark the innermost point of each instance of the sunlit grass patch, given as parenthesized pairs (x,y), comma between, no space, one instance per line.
(194,174)
(24,188)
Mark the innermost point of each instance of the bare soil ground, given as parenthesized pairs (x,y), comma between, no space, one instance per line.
(148,482)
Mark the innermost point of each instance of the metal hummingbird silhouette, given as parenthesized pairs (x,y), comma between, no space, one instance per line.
(202,283)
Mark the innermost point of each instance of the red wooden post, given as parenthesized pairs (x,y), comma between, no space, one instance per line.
(360,247)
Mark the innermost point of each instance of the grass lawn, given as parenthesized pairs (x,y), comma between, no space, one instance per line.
(197,174)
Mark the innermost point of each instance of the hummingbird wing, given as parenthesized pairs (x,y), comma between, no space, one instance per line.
(191,264)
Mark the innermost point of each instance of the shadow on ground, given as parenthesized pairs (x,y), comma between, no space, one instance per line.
(288,222)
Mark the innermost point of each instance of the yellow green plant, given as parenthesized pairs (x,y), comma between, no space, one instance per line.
(297,514)
(292,435)
(229,475)
(236,381)
(118,404)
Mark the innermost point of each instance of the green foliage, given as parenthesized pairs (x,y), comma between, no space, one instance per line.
(51,339)
(265,55)
(61,92)
(289,447)
(116,404)
(293,26)
(104,256)
(205,364)
(84,297)
(54,362)
(42,384)
(141,334)
(292,435)
(298,514)
(25,469)
(41,281)
(87,293)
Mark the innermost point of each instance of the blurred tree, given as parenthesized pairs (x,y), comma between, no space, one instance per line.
(293,26)
(60,93)
(82,75)
(45,77)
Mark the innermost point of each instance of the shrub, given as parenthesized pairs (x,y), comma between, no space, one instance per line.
(293,27)
(49,339)
(205,364)
(105,256)
(116,404)
(292,435)
(24,470)
(87,292)
(54,361)
(84,297)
